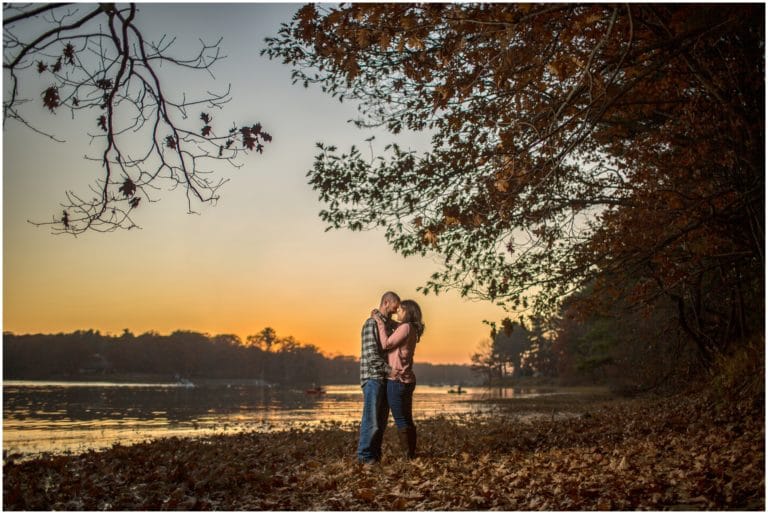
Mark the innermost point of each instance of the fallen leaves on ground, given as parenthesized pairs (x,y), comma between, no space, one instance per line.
(642,454)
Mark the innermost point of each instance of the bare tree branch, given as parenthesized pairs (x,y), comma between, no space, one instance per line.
(99,60)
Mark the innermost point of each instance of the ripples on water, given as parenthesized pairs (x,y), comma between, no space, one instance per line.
(73,417)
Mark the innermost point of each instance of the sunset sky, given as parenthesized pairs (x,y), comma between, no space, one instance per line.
(259,258)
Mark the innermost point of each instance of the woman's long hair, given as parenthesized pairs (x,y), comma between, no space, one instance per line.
(413,316)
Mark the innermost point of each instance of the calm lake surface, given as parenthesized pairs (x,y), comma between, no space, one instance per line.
(74,417)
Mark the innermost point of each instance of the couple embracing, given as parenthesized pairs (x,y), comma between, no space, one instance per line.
(386,375)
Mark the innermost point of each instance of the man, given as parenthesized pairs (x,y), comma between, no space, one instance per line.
(373,380)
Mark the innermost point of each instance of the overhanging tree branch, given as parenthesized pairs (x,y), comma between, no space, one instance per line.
(98,61)
(571,144)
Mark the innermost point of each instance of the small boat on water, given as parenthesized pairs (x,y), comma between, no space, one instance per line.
(315,391)
(458,390)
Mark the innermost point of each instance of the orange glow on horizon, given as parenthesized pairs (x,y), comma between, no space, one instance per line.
(260,258)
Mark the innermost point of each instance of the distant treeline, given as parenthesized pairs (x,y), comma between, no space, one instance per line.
(89,355)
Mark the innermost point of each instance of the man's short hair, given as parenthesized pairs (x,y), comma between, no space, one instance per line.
(390,296)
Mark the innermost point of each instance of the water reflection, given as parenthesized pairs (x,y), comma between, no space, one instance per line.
(59,417)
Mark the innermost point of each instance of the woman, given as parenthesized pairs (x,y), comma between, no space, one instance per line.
(401,345)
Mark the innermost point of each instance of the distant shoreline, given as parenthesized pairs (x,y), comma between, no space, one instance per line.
(186,356)
(141,380)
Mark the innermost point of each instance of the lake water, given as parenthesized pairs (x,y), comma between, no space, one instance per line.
(73,417)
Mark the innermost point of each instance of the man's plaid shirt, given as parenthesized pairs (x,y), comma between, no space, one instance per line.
(373,362)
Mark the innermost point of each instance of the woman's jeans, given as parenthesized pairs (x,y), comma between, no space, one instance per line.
(400,398)
(375,415)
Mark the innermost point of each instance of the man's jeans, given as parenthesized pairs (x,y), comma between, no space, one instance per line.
(400,399)
(375,415)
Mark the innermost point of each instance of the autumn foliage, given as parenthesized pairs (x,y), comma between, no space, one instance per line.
(664,454)
(616,147)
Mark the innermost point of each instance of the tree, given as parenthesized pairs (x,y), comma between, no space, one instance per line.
(509,348)
(541,358)
(630,347)
(265,339)
(485,363)
(503,354)
(617,145)
(97,65)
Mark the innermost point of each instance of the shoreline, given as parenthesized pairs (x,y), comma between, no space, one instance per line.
(624,454)
(101,434)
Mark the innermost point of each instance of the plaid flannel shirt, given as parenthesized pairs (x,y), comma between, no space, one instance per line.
(373,361)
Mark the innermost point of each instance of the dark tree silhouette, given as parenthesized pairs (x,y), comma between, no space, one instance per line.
(89,355)
(620,145)
(504,354)
(98,63)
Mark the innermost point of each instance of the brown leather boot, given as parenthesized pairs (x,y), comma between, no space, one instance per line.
(407,438)
(411,432)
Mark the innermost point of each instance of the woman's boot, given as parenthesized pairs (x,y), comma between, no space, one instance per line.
(411,434)
(408,441)
(405,441)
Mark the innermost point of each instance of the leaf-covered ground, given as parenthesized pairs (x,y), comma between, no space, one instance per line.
(659,454)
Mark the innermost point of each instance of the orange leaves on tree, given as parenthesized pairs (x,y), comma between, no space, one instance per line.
(307,14)
(501,183)
(384,40)
(430,237)
(559,69)
(598,108)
